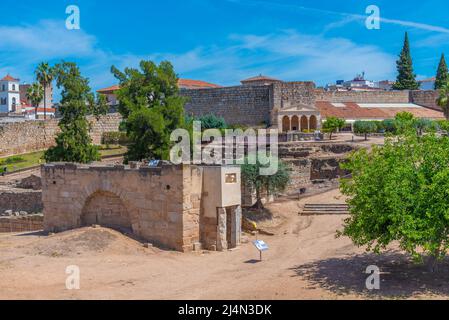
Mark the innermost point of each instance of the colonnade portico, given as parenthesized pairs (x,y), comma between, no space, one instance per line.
(297,121)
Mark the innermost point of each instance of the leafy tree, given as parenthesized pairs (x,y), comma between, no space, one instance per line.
(151,108)
(332,125)
(443,99)
(389,125)
(404,121)
(443,125)
(35,94)
(365,128)
(271,184)
(424,125)
(406,79)
(442,76)
(398,192)
(44,75)
(73,143)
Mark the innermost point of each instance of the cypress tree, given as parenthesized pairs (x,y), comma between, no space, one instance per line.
(406,79)
(442,74)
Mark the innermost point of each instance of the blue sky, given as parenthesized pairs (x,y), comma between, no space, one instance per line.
(224,41)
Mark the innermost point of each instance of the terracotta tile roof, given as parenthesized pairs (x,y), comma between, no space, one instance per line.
(182,83)
(109,89)
(352,111)
(49,110)
(195,84)
(259,78)
(9,78)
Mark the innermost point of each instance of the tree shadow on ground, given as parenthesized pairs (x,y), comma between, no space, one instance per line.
(399,276)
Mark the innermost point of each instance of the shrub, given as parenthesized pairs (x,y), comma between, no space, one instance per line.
(115,137)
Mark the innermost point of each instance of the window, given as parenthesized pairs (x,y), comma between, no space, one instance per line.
(13,87)
(3,87)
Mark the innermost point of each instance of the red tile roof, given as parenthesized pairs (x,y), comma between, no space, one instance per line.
(182,83)
(259,78)
(48,110)
(353,111)
(195,84)
(110,89)
(9,78)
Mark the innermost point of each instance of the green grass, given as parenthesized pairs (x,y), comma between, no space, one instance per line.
(15,163)
(28,160)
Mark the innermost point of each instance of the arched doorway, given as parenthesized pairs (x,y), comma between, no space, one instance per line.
(295,123)
(304,123)
(106,209)
(313,122)
(285,124)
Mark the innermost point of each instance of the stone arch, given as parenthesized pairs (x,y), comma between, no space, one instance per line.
(106,209)
(313,122)
(285,124)
(304,123)
(295,123)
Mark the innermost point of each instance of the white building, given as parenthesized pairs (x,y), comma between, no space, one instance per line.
(9,94)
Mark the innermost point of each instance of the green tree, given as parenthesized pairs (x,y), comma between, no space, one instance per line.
(443,99)
(365,128)
(332,125)
(406,79)
(424,125)
(442,76)
(35,94)
(389,125)
(44,75)
(398,192)
(271,184)
(73,143)
(404,121)
(151,108)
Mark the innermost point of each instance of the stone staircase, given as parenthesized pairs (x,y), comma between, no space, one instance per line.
(322,208)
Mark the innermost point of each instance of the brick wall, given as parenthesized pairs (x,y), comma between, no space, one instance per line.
(29,136)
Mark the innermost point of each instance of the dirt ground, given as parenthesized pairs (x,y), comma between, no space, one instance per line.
(305,261)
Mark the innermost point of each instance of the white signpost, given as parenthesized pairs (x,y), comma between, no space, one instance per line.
(261,246)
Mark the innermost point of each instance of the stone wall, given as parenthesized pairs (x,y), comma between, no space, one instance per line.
(163,205)
(20,200)
(151,200)
(425,98)
(29,136)
(21,224)
(363,96)
(293,94)
(248,105)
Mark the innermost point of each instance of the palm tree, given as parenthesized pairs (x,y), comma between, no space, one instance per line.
(35,94)
(44,75)
(443,99)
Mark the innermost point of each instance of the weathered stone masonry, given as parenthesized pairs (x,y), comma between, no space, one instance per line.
(171,206)
(29,136)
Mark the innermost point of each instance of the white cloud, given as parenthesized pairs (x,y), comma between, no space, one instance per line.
(288,54)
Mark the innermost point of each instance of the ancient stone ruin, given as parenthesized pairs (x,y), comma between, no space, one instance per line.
(181,207)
